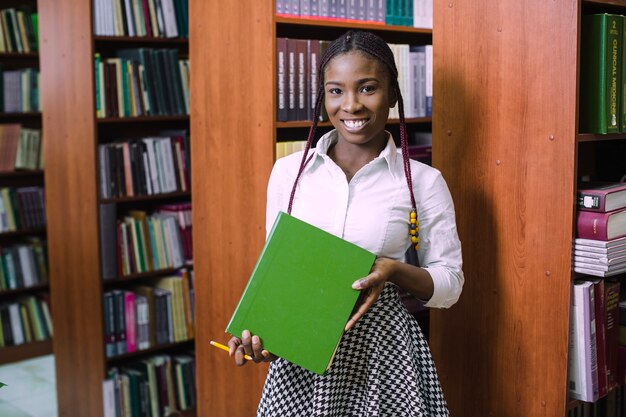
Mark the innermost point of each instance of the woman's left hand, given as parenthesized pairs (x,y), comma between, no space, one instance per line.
(371,287)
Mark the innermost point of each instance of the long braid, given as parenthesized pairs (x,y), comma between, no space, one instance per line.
(377,48)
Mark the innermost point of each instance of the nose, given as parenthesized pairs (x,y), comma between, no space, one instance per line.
(351,103)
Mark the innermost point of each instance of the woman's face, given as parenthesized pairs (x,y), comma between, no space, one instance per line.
(358,96)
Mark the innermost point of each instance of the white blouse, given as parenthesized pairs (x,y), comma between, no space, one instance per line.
(372,210)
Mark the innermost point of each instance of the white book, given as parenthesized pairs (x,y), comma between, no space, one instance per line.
(584,386)
(103,163)
(28,273)
(146,172)
(429,80)
(152,162)
(597,272)
(600,266)
(16,324)
(169,17)
(169,172)
(130,23)
(108,396)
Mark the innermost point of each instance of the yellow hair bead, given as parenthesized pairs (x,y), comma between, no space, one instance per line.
(413,221)
(417,247)
(414,239)
(413,215)
(413,232)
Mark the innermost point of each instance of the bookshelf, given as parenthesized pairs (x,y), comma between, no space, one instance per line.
(505,135)
(237,54)
(76,200)
(12,177)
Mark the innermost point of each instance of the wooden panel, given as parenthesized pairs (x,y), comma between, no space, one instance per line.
(232,114)
(69,134)
(504,132)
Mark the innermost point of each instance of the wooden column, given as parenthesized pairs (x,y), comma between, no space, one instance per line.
(504,137)
(232,137)
(71,202)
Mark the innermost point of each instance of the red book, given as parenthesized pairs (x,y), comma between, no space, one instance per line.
(601,196)
(611,300)
(131,322)
(622,365)
(601,226)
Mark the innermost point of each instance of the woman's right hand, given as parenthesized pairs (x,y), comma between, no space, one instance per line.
(248,345)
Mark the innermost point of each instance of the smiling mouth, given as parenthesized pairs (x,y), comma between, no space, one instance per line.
(354,124)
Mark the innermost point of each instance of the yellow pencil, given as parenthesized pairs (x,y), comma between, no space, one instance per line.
(224,347)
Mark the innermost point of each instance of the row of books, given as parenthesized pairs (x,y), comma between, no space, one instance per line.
(25,320)
(22,208)
(297,78)
(594,350)
(20,91)
(148,315)
(18,31)
(143,81)
(139,242)
(600,244)
(613,405)
(23,265)
(602,78)
(20,148)
(158,386)
(416,13)
(147,166)
(148,18)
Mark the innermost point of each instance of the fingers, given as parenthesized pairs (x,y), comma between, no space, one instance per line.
(233,343)
(253,347)
(370,298)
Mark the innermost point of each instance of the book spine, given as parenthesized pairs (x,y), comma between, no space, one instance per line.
(590,201)
(282,112)
(612,290)
(591,226)
(599,311)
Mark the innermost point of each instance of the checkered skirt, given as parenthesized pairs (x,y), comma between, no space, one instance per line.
(382,368)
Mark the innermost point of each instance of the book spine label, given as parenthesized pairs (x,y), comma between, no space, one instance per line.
(590,201)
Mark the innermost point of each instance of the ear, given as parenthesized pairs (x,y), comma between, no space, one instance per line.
(393,98)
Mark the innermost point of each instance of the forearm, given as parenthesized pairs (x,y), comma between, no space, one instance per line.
(413,279)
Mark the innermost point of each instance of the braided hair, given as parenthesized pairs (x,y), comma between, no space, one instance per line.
(376,48)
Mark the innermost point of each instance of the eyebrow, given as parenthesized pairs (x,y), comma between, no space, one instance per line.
(361,81)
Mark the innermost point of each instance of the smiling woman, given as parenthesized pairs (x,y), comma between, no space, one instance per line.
(356,185)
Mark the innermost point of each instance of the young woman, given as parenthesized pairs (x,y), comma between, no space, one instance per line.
(356,185)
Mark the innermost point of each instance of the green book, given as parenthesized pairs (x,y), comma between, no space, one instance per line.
(300,297)
(600,74)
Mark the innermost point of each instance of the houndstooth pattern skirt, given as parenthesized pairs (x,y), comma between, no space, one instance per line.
(382,368)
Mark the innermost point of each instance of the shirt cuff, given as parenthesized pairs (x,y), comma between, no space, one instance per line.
(446,288)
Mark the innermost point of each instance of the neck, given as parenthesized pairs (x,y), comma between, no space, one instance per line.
(352,157)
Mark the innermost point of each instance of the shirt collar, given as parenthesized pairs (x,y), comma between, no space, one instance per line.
(389,154)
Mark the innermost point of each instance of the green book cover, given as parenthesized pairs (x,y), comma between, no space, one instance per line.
(299,296)
(600,74)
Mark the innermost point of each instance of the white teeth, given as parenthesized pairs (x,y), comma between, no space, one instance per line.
(354,123)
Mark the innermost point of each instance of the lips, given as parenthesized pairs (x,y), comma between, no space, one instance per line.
(354,124)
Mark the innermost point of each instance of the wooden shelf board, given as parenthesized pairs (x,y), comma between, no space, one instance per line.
(349,24)
(595,137)
(21,291)
(19,55)
(26,351)
(153,197)
(111,120)
(22,173)
(150,274)
(21,233)
(141,40)
(155,349)
(26,115)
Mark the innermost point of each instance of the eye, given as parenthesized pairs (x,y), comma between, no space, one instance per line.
(368,89)
(334,91)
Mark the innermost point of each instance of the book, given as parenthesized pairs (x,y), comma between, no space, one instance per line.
(611,305)
(601,226)
(600,73)
(601,196)
(583,372)
(299,296)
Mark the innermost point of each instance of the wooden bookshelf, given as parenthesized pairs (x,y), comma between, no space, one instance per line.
(505,139)
(235,129)
(73,198)
(16,179)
